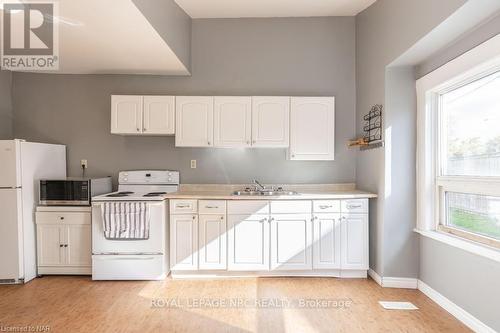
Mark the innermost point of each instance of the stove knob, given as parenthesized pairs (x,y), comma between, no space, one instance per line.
(125,179)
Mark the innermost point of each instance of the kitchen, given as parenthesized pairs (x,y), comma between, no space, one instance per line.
(242,139)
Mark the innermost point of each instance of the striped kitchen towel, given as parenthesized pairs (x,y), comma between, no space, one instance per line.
(125,220)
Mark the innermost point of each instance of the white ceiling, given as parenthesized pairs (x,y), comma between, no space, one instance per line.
(272,8)
(107,37)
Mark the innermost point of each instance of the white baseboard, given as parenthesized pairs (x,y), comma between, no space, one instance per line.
(397,282)
(377,278)
(466,318)
(393,282)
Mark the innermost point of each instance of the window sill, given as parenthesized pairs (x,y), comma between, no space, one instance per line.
(466,245)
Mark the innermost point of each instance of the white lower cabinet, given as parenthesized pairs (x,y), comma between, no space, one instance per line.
(79,245)
(354,241)
(314,237)
(64,244)
(248,242)
(326,244)
(184,242)
(50,243)
(291,242)
(212,241)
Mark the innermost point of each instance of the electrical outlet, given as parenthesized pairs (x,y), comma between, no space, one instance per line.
(193,164)
(84,164)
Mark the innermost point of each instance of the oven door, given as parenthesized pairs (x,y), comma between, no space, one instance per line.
(64,193)
(155,244)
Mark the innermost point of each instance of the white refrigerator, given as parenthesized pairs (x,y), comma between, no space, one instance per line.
(22,165)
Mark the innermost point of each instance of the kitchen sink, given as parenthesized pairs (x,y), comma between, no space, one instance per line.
(264,193)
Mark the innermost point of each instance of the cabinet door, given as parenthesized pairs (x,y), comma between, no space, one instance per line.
(354,240)
(194,121)
(184,242)
(126,114)
(50,245)
(79,249)
(312,128)
(248,244)
(291,241)
(232,121)
(270,121)
(212,241)
(326,246)
(159,115)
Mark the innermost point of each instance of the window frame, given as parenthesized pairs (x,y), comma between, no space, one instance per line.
(432,183)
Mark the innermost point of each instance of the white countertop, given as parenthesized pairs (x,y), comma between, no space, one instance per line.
(305,192)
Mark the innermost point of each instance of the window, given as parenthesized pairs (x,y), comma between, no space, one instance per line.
(458,147)
(469,153)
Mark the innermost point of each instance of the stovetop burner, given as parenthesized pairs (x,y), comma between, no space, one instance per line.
(120,194)
(154,194)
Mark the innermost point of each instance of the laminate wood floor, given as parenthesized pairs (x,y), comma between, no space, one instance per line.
(77,304)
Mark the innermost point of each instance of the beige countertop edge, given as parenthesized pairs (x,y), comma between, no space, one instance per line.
(301,196)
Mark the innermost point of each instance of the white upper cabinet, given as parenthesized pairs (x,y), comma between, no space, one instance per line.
(312,128)
(270,121)
(159,115)
(126,114)
(142,115)
(232,121)
(194,123)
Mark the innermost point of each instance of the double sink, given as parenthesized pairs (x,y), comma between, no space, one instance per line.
(261,190)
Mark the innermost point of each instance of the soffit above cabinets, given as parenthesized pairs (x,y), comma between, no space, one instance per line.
(272,8)
(110,37)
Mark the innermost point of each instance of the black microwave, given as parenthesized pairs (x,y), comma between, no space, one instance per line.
(72,191)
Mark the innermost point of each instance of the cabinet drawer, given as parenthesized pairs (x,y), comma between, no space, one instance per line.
(183,206)
(212,206)
(62,218)
(290,207)
(248,207)
(326,206)
(354,206)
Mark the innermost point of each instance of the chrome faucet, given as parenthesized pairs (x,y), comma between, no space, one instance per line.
(256,182)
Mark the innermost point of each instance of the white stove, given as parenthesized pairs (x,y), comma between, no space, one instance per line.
(142,185)
(134,259)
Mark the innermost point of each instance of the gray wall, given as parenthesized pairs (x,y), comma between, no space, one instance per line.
(480,34)
(468,280)
(171,23)
(6,116)
(384,31)
(284,56)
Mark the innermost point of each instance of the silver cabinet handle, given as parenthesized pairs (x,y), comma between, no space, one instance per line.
(264,219)
(138,129)
(212,207)
(354,206)
(325,206)
(222,218)
(209,143)
(182,206)
(194,217)
(61,217)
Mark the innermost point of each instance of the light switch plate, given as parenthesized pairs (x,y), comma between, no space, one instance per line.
(193,164)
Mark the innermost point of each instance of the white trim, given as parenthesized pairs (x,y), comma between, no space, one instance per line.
(475,63)
(393,282)
(377,278)
(399,282)
(466,245)
(465,317)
